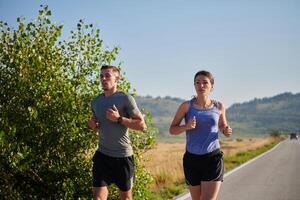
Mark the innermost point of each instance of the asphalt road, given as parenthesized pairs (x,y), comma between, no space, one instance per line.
(274,175)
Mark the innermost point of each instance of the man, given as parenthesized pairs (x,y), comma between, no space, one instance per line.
(113,113)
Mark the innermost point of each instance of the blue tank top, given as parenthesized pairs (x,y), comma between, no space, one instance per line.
(204,138)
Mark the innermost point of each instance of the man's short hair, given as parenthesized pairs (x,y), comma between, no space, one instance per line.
(114,68)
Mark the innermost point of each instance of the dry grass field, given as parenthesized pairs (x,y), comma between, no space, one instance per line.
(164,161)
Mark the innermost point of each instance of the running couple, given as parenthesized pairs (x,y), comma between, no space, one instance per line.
(114,112)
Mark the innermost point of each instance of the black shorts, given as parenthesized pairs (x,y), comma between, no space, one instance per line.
(108,170)
(208,167)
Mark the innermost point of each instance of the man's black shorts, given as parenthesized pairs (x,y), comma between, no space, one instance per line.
(108,170)
(208,167)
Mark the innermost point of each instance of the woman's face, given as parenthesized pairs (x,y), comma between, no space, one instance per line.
(203,85)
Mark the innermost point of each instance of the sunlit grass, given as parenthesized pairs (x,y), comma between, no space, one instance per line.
(231,162)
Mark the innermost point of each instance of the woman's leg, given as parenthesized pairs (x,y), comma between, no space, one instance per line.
(195,192)
(210,190)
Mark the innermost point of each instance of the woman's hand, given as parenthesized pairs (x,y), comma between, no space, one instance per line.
(191,123)
(227,131)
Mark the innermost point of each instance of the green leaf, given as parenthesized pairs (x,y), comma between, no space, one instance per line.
(2,136)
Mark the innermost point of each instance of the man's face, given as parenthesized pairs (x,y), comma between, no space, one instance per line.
(108,79)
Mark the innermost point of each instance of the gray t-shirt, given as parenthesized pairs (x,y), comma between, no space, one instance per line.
(114,138)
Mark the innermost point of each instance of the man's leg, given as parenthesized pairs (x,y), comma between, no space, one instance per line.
(126,195)
(125,177)
(100,193)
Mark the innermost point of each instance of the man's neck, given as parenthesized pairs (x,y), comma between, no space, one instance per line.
(108,93)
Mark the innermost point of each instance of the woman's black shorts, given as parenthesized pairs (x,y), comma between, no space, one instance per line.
(207,167)
(108,170)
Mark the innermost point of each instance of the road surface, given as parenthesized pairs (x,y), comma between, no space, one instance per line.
(275,175)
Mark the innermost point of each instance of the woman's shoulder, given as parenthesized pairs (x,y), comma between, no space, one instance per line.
(184,106)
(218,104)
(187,103)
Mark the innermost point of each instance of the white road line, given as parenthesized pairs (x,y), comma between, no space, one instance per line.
(188,195)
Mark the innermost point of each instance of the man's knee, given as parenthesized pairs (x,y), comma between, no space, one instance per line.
(126,195)
(100,193)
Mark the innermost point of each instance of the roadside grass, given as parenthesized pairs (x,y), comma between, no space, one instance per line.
(234,161)
(166,189)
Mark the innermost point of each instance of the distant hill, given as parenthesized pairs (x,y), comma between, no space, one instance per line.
(163,110)
(259,116)
(253,118)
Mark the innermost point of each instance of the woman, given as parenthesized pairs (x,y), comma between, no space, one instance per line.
(203,160)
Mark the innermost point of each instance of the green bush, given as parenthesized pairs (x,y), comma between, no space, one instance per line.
(46,86)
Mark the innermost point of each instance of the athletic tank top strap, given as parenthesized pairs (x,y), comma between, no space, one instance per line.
(216,104)
(191,101)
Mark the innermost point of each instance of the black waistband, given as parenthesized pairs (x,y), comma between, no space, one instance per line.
(214,152)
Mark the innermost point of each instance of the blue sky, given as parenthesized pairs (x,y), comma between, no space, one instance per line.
(252,47)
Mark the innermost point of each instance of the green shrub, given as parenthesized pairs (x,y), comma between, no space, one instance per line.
(47,85)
